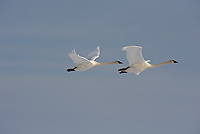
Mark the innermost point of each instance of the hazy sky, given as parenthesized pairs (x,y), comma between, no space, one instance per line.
(38,96)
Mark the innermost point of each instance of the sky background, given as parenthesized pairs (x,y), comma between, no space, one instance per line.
(38,96)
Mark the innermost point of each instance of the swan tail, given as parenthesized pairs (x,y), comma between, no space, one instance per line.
(137,73)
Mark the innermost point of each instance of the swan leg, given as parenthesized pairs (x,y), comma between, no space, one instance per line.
(71,69)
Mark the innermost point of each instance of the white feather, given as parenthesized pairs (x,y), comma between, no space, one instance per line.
(134,54)
(78,59)
(94,54)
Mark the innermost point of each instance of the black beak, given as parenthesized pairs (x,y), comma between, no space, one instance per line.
(175,61)
(119,62)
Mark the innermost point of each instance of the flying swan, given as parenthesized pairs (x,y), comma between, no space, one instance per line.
(83,64)
(136,61)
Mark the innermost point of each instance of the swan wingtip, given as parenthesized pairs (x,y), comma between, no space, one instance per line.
(124,48)
(97,48)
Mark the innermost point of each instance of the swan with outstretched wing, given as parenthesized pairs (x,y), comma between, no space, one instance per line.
(136,61)
(83,64)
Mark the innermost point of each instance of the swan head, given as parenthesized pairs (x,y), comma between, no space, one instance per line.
(118,62)
(173,61)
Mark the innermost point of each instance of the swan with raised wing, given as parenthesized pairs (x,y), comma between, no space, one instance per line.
(83,64)
(136,61)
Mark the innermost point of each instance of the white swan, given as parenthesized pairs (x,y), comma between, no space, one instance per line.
(84,64)
(136,61)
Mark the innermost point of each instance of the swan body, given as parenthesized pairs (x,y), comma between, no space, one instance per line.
(136,61)
(83,64)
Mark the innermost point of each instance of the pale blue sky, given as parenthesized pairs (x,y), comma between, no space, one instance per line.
(38,96)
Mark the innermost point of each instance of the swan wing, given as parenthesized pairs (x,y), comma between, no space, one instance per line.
(94,54)
(78,59)
(134,54)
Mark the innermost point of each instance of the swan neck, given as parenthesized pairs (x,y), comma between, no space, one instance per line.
(153,66)
(106,63)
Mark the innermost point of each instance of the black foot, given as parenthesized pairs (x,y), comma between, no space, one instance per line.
(122,69)
(71,69)
(122,72)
